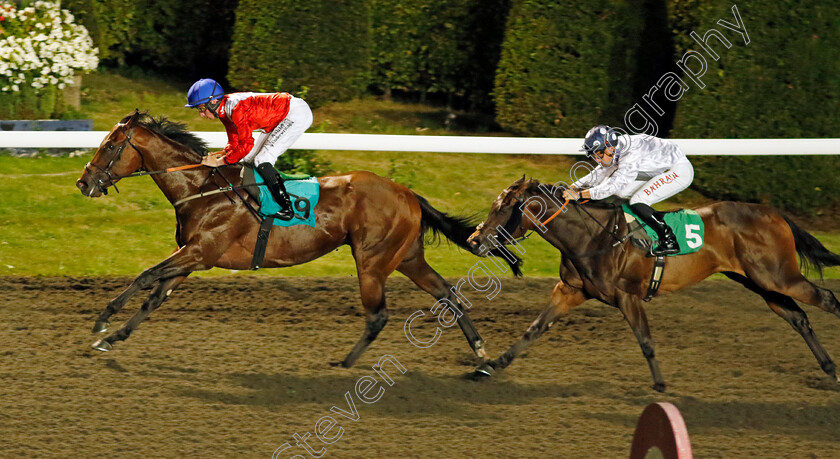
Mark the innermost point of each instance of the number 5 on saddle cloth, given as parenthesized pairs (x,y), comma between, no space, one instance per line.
(687,227)
(686,224)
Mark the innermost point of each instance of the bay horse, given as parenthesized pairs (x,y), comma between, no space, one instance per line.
(383,222)
(751,244)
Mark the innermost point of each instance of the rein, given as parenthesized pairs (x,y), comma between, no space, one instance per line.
(224,189)
(103,187)
(162,171)
(555,214)
(611,232)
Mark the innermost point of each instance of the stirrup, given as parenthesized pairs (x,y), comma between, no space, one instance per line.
(284,214)
(661,250)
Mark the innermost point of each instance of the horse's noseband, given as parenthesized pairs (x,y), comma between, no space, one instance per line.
(107,170)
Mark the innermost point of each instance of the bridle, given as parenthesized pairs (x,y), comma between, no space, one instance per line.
(515,219)
(510,225)
(101,185)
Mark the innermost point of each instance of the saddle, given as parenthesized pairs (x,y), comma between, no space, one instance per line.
(687,227)
(302,189)
(685,223)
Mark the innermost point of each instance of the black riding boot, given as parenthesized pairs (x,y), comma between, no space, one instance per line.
(275,186)
(668,244)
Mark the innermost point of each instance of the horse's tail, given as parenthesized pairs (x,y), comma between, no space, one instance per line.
(812,254)
(458,230)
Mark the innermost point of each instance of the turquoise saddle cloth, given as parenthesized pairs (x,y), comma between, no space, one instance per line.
(304,195)
(687,226)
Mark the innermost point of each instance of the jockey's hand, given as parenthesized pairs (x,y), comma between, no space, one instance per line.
(214,159)
(571,195)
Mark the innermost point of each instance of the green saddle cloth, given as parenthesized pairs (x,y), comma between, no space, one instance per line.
(686,224)
(304,192)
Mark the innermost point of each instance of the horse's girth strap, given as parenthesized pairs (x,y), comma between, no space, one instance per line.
(262,242)
(655,277)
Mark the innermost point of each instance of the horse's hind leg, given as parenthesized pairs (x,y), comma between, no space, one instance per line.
(563,298)
(786,308)
(634,314)
(805,291)
(785,278)
(156,298)
(376,316)
(418,270)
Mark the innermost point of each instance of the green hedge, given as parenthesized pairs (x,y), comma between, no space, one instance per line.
(568,65)
(802,184)
(190,37)
(31,104)
(317,49)
(437,46)
(783,84)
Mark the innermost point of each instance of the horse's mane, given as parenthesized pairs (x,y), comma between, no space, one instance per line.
(175,131)
(534,186)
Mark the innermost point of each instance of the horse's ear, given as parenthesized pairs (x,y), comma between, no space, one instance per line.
(518,182)
(130,119)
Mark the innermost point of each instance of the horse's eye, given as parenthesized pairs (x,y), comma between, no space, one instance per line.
(110,147)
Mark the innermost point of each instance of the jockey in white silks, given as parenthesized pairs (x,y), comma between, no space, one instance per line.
(641,168)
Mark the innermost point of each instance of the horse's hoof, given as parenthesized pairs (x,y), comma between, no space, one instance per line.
(483,372)
(102,345)
(659,387)
(101,326)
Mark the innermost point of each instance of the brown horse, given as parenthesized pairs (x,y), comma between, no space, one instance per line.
(751,244)
(382,221)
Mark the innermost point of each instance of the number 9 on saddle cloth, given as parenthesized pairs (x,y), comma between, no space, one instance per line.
(303,191)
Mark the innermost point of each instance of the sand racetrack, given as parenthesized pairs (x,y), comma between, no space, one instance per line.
(235,366)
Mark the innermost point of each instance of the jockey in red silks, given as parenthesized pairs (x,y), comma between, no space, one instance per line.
(282,117)
(642,168)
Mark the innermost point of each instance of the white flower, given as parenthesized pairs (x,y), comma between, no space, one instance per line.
(49,53)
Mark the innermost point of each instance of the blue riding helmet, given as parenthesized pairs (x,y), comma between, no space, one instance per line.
(203,91)
(599,138)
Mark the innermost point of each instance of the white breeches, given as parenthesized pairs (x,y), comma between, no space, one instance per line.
(661,187)
(270,145)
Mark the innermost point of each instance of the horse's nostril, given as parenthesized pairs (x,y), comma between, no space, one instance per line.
(80,184)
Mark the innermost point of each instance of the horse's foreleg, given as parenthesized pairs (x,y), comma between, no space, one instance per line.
(102,324)
(145,280)
(563,298)
(419,271)
(174,268)
(634,314)
(156,298)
